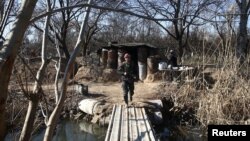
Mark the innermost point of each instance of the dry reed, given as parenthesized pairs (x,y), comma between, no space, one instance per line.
(227,102)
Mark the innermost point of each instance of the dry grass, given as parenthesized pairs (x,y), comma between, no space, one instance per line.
(227,102)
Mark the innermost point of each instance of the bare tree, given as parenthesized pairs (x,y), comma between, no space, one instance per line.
(56,112)
(225,27)
(37,92)
(241,47)
(8,54)
(92,29)
(64,24)
(184,14)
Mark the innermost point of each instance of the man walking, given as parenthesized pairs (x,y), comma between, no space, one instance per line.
(128,77)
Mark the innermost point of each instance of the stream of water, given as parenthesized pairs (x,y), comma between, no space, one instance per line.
(84,131)
(71,131)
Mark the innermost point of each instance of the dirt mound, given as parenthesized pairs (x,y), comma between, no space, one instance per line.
(93,73)
(88,73)
(110,75)
(84,73)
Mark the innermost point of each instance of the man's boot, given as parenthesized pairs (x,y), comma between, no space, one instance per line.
(126,99)
(131,97)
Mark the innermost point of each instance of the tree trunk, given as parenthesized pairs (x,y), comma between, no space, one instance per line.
(180,51)
(65,51)
(8,54)
(241,46)
(242,38)
(84,50)
(30,118)
(33,104)
(56,112)
(64,39)
(179,38)
(5,73)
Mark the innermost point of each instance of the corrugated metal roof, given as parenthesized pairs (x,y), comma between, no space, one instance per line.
(134,45)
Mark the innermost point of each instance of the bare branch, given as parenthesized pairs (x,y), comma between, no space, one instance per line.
(118,4)
(58,68)
(6,16)
(102,8)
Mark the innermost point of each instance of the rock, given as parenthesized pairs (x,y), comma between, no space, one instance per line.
(104,121)
(157,103)
(81,89)
(73,111)
(158,119)
(79,116)
(151,104)
(96,119)
(89,106)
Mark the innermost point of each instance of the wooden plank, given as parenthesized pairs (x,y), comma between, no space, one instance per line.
(143,133)
(134,131)
(110,124)
(124,125)
(129,124)
(149,128)
(115,134)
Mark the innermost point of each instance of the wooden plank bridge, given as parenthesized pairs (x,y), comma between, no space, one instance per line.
(129,124)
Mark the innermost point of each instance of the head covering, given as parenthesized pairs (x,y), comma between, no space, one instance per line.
(127,55)
(172,52)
